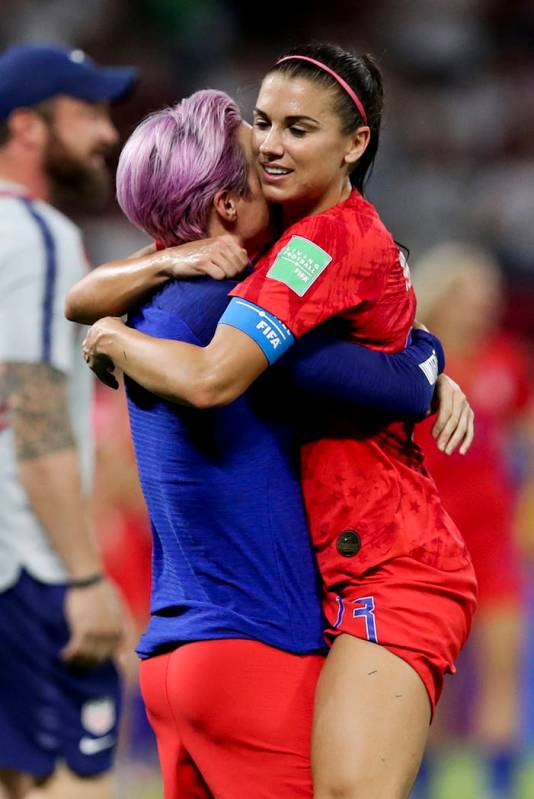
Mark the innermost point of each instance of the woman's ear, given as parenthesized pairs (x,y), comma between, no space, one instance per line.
(225,205)
(357,144)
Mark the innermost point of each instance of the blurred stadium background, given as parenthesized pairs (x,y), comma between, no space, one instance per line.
(456,163)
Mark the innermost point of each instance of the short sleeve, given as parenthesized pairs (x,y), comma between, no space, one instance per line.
(21,297)
(33,328)
(199,303)
(321,267)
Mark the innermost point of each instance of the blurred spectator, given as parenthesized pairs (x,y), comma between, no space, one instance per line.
(54,20)
(459,290)
(61,619)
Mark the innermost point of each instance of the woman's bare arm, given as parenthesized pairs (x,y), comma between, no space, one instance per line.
(116,287)
(204,377)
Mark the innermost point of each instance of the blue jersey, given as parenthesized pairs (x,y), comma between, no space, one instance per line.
(231,554)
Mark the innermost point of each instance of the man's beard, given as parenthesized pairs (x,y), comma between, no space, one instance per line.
(75,185)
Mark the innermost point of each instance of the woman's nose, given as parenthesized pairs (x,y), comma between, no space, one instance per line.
(272,142)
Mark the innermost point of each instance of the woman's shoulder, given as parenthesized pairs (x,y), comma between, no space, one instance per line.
(339,232)
(356,213)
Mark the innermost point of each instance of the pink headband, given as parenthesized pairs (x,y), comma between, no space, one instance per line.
(343,83)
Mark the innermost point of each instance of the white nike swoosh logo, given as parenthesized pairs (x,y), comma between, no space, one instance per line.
(91,746)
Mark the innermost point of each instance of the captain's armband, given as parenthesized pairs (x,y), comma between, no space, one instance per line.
(269,333)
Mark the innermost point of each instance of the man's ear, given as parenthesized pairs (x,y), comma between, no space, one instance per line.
(225,205)
(28,127)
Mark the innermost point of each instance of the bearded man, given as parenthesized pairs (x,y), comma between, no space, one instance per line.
(60,619)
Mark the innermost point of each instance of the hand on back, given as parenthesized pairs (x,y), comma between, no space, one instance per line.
(221,257)
(454,426)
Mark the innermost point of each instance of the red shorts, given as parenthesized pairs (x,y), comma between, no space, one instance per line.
(419,612)
(232,719)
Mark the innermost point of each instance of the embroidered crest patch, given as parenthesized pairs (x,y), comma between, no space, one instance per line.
(98,715)
(299,264)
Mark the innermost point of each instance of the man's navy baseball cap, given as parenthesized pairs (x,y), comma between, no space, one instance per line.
(31,73)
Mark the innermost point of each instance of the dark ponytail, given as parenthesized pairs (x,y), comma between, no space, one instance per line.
(363,76)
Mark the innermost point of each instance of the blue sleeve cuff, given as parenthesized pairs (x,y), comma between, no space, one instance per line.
(422,336)
(269,333)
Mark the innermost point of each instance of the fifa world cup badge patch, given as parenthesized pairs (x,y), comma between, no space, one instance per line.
(98,715)
(299,264)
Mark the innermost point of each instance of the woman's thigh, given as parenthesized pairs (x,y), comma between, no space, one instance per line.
(372,716)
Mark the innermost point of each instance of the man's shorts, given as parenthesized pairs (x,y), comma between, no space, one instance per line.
(419,612)
(49,711)
(232,719)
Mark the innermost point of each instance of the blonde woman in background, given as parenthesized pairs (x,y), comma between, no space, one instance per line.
(460,292)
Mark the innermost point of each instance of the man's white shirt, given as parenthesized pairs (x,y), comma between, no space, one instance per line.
(41,257)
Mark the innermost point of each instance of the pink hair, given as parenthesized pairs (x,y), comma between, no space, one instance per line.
(176,160)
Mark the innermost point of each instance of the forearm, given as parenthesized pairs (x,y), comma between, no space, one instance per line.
(173,370)
(342,371)
(204,377)
(53,490)
(47,460)
(114,288)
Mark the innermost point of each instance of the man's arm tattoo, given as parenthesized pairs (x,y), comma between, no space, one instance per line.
(36,398)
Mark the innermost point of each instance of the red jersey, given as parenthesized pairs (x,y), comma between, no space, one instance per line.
(343,263)
(497,380)
(478,488)
(340,263)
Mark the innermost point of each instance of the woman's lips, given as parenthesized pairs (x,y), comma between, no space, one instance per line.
(274,174)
